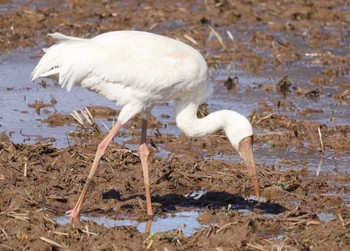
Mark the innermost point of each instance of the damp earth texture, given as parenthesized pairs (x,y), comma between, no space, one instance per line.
(283,64)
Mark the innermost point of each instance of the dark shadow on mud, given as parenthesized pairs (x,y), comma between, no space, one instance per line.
(217,200)
(112,194)
(212,200)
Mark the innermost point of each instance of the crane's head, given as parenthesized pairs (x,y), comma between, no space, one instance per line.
(245,149)
(240,133)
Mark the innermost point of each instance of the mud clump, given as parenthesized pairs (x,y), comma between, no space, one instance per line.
(58,120)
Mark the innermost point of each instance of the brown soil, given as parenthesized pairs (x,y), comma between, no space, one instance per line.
(39,181)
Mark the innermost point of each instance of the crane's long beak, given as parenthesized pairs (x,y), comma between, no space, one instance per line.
(245,149)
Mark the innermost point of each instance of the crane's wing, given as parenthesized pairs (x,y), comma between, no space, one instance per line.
(124,64)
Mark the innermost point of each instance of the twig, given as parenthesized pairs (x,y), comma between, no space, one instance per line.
(50,220)
(25,167)
(225,226)
(256,246)
(225,174)
(149,245)
(140,202)
(60,233)
(20,216)
(218,36)
(87,230)
(51,242)
(77,117)
(87,116)
(90,233)
(341,220)
(320,135)
(105,126)
(89,113)
(3,230)
(90,125)
(92,121)
(190,39)
(264,118)
(319,166)
(209,231)
(230,35)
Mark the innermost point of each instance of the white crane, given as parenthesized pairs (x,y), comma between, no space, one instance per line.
(139,70)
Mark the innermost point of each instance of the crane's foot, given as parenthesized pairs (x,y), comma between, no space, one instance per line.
(73,215)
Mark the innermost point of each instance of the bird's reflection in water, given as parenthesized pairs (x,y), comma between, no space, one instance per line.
(148,226)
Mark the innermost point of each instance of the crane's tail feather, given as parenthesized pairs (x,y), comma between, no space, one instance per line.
(59,37)
(53,72)
(57,61)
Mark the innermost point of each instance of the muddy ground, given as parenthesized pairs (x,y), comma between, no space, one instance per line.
(299,210)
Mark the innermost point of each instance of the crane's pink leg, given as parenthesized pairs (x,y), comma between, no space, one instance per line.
(101,149)
(144,153)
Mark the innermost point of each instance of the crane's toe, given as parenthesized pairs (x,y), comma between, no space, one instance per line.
(73,214)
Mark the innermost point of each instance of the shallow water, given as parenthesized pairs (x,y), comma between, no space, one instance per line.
(185,221)
(326,217)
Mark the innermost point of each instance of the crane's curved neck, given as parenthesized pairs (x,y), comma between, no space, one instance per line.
(235,125)
(191,125)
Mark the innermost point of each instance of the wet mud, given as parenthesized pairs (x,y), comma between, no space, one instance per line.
(299,110)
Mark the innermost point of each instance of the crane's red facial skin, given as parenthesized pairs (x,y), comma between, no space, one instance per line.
(246,150)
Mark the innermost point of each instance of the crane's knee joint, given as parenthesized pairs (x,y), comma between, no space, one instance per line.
(143,150)
(101,149)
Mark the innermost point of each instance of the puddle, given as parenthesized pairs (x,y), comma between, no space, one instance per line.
(278,237)
(326,217)
(186,221)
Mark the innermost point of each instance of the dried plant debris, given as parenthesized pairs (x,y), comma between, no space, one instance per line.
(344,96)
(283,86)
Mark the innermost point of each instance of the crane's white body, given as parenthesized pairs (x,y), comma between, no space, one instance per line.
(139,70)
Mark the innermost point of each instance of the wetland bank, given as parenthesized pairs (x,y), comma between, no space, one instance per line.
(285,65)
